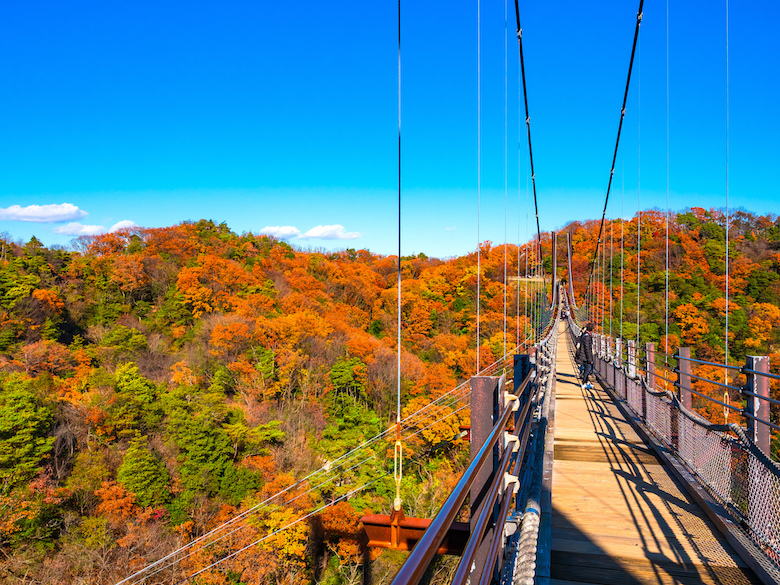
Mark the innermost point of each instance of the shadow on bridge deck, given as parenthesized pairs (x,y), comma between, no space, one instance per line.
(618,515)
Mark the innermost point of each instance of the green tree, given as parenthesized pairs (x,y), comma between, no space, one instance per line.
(144,474)
(24,424)
(206,449)
(135,406)
(125,339)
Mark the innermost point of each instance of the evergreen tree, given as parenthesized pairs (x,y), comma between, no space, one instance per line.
(144,474)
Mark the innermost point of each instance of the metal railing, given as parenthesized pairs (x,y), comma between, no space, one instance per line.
(733,463)
(507,489)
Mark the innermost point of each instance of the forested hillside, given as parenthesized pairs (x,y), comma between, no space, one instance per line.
(696,289)
(156,382)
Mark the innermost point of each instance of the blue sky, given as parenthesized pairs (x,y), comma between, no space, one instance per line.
(269,115)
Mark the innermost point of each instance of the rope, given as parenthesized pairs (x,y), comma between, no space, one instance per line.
(620,126)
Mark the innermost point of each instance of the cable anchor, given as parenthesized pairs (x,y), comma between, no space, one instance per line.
(398,462)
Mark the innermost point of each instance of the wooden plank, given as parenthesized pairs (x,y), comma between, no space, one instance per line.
(618,514)
(598,454)
(658,551)
(614,569)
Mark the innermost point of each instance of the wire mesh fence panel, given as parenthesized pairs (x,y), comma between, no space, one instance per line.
(737,478)
(634,394)
(709,453)
(659,416)
(732,469)
(763,507)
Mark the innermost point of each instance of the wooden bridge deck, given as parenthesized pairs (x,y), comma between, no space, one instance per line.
(618,515)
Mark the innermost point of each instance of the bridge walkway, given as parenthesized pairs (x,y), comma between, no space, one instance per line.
(618,515)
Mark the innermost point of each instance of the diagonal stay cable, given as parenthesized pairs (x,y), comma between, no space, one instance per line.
(617,141)
(309,514)
(457,394)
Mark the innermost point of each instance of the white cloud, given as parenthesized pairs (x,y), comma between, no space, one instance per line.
(329,232)
(282,232)
(449,229)
(124,224)
(77,229)
(51,213)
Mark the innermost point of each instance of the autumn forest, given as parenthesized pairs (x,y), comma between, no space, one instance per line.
(158,382)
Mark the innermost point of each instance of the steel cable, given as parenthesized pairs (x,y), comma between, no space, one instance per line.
(620,128)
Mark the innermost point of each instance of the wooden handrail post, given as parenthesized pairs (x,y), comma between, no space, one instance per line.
(683,391)
(485,405)
(758,385)
(684,377)
(650,369)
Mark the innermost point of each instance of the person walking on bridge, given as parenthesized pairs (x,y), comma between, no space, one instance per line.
(584,355)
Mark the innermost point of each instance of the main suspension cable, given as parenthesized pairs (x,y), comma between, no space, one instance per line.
(620,128)
(528,123)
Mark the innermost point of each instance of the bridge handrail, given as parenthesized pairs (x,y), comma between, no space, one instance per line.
(744,479)
(417,563)
(576,331)
(483,514)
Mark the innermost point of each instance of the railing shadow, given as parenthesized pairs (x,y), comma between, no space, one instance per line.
(658,514)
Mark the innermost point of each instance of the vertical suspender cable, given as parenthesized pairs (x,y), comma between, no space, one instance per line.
(726,344)
(639,195)
(479,169)
(398,455)
(527,259)
(537,292)
(519,240)
(620,127)
(611,256)
(666,295)
(532,301)
(597,287)
(604,285)
(622,216)
(398,405)
(506,152)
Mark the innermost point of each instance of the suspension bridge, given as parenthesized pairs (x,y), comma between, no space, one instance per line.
(620,481)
